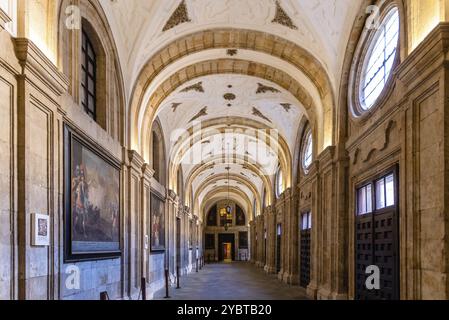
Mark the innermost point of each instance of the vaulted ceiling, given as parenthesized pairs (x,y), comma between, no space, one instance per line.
(230,66)
(321,27)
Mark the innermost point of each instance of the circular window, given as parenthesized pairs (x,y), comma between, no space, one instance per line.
(374,61)
(307,151)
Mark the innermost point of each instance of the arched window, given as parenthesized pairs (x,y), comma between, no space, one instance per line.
(264,198)
(379,59)
(212,217)
(307,151)
(240,219)
(88,76)
(158,152)
(279,187)
(254,208)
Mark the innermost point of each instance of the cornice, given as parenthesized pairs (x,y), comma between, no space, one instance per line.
(34,61)
(433,48)
(135,160)
(172,196)
(147,171)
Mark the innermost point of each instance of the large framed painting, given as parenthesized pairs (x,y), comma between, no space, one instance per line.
(157,223)
(92,201)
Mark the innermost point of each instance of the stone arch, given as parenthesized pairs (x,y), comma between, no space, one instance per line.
(230,66)
(255,168)
(232,177)
(216,195)
(214,126)
(239,39)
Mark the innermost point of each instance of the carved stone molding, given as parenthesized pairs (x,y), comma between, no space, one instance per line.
(32,59)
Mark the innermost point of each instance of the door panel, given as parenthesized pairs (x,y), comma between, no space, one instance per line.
(305,258)
(377,242)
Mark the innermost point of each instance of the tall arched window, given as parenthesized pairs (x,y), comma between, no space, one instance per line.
(264,198)
(279,181)
(307,150)
(88,76)
(379,60)
(158,153)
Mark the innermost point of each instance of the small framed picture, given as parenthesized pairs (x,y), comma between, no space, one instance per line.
(40,230)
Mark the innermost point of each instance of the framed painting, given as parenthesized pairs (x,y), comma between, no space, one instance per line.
(92,202)
(157,223)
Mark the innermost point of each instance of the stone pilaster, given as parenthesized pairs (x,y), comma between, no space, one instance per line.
(291,274)
(270,225)
(312,288)
(133,221)
(172,202)
(39,123)
(147,174)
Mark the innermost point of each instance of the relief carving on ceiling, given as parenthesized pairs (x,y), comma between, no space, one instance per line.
(286,106)
(201,113)
(175,106)
(198,87)
(259,114)
(264,89)
(178,17)
(232,52)
(282,18)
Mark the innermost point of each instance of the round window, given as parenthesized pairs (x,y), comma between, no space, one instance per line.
(379,60)
(307,151)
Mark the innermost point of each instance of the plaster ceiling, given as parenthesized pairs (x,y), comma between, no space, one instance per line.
(322,26)
(142,28)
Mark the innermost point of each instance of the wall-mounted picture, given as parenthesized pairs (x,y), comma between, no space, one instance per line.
(157,223)
(92,202)
(40,230)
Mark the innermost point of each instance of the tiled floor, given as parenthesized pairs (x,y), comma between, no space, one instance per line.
(234,281)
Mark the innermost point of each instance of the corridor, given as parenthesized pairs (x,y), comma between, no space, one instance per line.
(234,281)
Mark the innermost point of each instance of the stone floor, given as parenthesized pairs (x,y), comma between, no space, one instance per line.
(233,281)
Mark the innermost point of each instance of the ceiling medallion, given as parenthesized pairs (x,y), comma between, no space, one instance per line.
(178,17)
(286,106)
(201,113)
(259,114)
(264,89)
(282,18)
(229,96)
(198,87)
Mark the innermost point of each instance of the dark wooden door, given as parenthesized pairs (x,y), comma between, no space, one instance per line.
(305,258)
(305,228)
(377,244)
